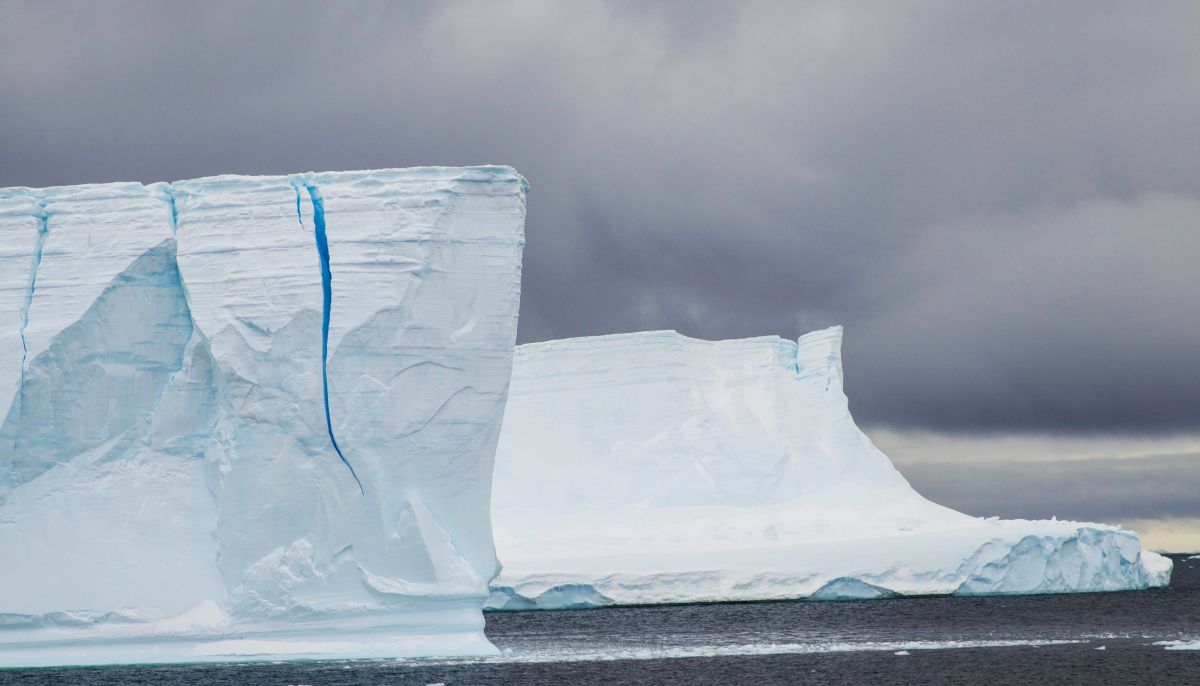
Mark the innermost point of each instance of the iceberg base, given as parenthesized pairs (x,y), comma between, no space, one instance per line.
(984,557)
(457,633)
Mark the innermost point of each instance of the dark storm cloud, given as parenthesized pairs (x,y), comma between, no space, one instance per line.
(1001,201)
(1162,487)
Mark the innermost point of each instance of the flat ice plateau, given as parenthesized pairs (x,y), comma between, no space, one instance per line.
(252,417)
(656,468)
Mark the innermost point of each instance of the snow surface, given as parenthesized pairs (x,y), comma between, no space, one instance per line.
(253,416)
(652,467)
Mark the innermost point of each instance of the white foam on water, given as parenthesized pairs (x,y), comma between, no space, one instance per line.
(605,653)
(1190,644)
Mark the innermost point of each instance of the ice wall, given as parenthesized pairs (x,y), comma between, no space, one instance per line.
(253,416)
(652,467)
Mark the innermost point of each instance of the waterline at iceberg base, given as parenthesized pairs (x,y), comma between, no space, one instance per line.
(655,468)
(253,417)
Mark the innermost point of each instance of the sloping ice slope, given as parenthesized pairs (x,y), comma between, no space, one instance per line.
(652,467)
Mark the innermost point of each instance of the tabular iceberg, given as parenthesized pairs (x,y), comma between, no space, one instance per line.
(253,416)
(652,467)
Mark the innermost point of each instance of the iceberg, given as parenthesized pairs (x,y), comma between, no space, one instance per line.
(656,468)
(253,417)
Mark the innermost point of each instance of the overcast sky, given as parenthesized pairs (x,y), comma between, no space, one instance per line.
(1001,201)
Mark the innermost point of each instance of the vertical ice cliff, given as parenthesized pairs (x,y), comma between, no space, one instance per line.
(102,503)
(652,467)
(253,416)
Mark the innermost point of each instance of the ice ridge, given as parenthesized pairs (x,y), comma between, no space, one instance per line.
(322,240)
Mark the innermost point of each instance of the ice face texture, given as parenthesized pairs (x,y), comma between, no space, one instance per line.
(253,416)
(652,467)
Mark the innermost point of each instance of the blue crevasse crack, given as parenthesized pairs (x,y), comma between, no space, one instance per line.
(174,210)
(318,204)
(43,218)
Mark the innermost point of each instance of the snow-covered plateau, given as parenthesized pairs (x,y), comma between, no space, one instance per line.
(656,468)
(251,417)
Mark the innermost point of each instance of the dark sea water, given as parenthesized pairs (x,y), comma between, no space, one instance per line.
(1059,639)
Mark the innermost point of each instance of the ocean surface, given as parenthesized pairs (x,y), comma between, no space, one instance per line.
(1055,639)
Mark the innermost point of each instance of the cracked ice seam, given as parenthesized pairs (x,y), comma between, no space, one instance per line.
(318,205)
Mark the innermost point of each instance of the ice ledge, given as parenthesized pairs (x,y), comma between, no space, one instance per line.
(1087,559)
(205,634)
(815,355)
(819,357)
(483,179)
(479,180)
(641,339)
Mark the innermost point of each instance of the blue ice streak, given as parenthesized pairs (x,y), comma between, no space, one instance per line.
(43,218)
(318,204)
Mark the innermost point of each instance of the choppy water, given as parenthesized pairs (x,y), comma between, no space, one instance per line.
(1090,638)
